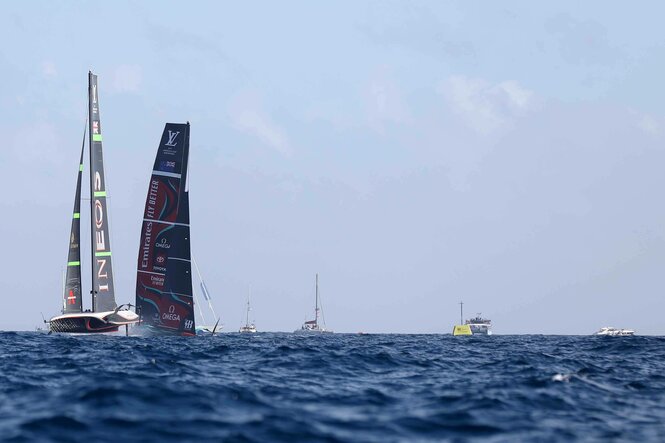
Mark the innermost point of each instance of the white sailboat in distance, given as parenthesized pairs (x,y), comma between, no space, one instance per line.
(248,328)
(313,326)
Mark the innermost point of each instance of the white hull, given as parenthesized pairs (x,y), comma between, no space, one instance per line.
(480,329)
(312,331)
(614,332)
(92,322)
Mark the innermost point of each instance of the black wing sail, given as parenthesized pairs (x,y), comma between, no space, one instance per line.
(164,295)
(72,294)
(103,297)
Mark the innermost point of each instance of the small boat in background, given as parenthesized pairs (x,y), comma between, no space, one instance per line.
(472,326)
(249,327)
(479,325)
(461,329)
(313,326)
(608,330)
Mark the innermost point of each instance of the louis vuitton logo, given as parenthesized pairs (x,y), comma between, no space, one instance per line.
(172,137)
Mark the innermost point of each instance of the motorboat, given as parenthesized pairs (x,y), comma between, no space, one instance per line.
(479,325)
(608,330)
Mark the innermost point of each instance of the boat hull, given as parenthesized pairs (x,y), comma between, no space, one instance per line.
(613,332)
(146,330)
(481,329)
(462,330)
(312,331)
(91,322)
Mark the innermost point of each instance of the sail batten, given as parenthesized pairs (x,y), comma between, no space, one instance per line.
(164,294)
(103,289)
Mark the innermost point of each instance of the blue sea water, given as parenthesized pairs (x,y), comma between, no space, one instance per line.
(342,387)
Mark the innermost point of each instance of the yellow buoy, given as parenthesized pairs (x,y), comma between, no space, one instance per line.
(462,330)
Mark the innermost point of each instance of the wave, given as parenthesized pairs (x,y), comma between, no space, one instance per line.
(341,387)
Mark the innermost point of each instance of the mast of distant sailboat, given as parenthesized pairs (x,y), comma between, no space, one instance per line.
(249,291)
(316,308)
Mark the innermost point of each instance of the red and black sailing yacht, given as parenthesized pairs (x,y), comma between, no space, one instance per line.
(164,294)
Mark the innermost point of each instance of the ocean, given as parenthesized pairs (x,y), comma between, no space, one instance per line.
(274,387)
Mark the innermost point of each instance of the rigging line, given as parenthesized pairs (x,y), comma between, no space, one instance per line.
(203,287)
(198,303)
(196,297)
(323,316)
(64,295)
(85,129)
(109,213)
(211,308)
(198,272)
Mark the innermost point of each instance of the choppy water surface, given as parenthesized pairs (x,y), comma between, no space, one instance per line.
(281,387)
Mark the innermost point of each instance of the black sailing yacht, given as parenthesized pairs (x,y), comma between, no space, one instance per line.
(105,315)
(164,294)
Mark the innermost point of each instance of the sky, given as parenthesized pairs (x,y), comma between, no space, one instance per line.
(414,154)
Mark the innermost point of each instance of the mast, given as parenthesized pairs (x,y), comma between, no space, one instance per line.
(316,308)
(249,291)
(461,316)
(103,291)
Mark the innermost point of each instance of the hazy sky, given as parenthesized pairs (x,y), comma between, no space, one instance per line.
(414,154)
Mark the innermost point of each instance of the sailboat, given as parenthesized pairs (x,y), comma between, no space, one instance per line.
(313,326)
(249,327)
(105,315)
(164,295)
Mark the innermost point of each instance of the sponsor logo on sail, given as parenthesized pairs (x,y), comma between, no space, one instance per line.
(152,199)
(95,127)
(72,242)
(161,260)
(157,280)
(163,244)
(145,248)
(102,274)
(172,138)
(172,316)
(166,166)
(94,99)
(171,143)
(103,278)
